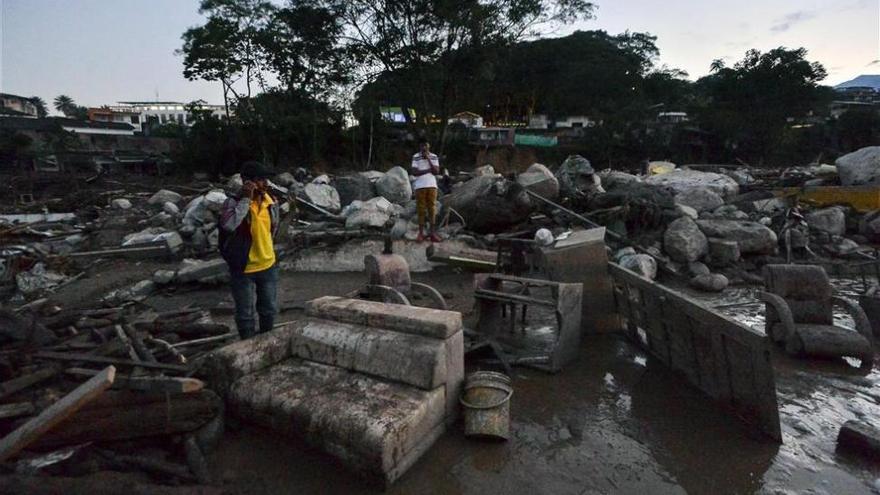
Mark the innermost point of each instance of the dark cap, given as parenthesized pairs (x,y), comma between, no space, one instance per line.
(255,170)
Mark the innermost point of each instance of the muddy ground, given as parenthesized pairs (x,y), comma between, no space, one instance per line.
(614,421)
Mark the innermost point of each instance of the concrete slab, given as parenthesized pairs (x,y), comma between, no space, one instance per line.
(427,322)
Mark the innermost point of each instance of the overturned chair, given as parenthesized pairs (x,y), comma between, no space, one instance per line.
(371,384)
(799,315)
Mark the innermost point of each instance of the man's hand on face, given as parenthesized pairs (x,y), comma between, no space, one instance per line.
(248,189)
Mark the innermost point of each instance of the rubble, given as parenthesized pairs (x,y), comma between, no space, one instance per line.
(489,204)
(577,179)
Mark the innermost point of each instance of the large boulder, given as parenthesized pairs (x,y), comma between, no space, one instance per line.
(356,187)
(752,237)
(163,196)
(577,179)
(683,180)
(487,169)
(121,204)
(489,204)
(394,186)
(373,213)
(285,179)
(700,199)
(323,195)
(684,241)
(829,220)
(540,180)
(860,167)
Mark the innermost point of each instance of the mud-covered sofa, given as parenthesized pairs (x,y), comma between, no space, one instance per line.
(371,384)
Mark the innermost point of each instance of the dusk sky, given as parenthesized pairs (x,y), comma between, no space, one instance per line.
(103,51)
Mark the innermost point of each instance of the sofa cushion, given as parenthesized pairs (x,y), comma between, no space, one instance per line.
(224,366)
(400,357)
(376,427)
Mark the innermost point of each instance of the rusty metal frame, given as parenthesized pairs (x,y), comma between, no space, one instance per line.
(728,361)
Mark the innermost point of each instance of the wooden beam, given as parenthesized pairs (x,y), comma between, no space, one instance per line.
(88,358)
(10,387)
(32,430)
(170,384)
(16,409)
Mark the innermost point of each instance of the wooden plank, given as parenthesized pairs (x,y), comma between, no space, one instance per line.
(31,431)
(88,358)
(16,409)
(127,414)
(10,387)
(170,384)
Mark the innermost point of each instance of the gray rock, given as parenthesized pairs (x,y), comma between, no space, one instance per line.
(135,293)
(842,247)
(860,167)
(163,277)
(356,187)
(869,225)
(684,180)
(373,213)
(723,252)
(577,179)
(642,264)
(741,176)
(752,237)
(372,175)
(686,211)
(121,204)
(613,179)
(484,170)
(829,220)
(699,198)
(164,196)
(323,195)
(695,268)
(171,208)
(540,180)
(684,242)
(711,282)
(489,204)
(285,179)
(207,271)
(233,185)
(730,212)
(620,254)
(395,186)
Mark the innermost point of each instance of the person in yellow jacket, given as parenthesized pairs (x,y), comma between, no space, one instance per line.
(247,225)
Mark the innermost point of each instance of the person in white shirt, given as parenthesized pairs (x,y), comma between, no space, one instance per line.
(424,166)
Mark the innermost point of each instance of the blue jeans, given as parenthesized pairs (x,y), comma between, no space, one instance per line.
(245,286)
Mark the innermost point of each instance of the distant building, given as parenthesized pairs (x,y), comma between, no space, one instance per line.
(106,114)
(468,119)
(672,117)
(397,115)
(18,106)
(574,121)
(93,128)
(143,114)
(539,121)
(492,136)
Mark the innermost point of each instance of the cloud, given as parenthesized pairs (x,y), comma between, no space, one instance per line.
(785,23)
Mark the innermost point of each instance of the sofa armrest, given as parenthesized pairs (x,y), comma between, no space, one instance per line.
(863,325)
(227,364)
(783,312)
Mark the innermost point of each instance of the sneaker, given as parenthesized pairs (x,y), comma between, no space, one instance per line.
(435,238)
(420,238)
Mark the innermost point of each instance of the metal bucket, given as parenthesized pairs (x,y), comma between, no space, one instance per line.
(486,401)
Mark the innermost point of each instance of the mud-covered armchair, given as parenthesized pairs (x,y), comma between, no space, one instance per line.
(799,315)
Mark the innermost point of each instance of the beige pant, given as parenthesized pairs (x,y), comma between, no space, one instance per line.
(426,199)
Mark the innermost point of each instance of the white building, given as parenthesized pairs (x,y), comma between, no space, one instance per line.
(467,119)
(539,121)
(574,121)
(672,117)
(142,113)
